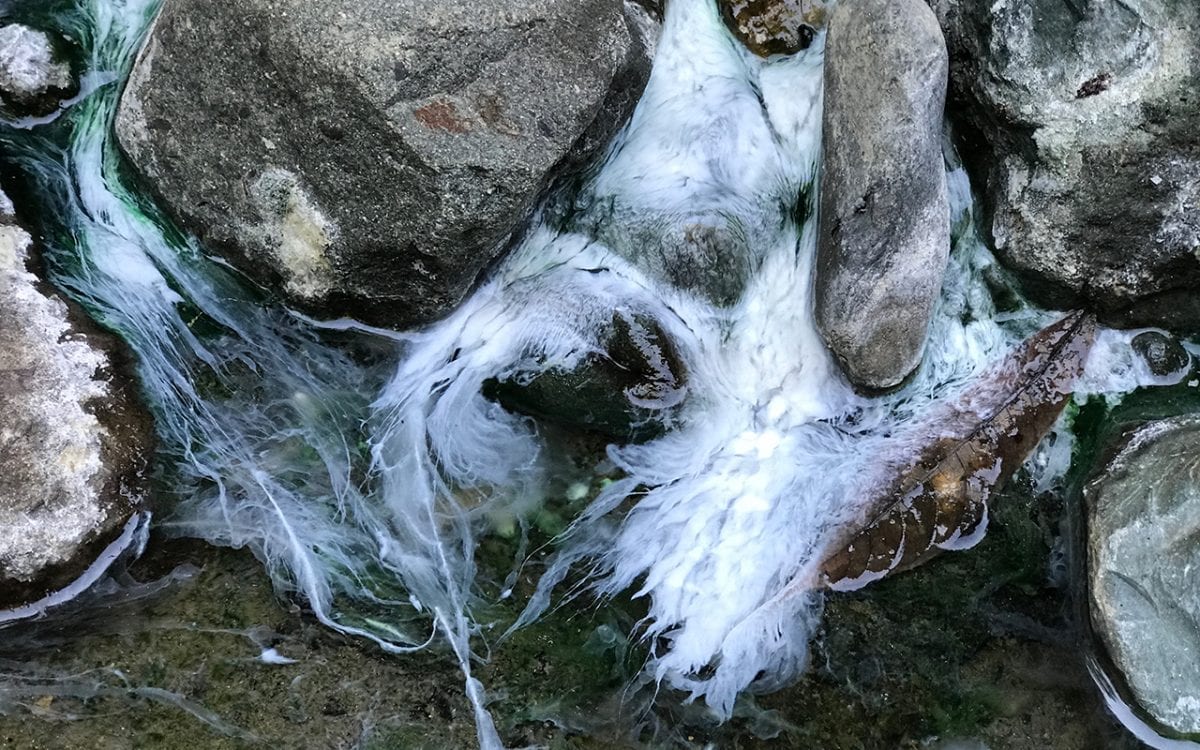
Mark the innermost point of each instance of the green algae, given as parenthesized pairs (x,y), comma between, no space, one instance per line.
(198,646)
(975,644)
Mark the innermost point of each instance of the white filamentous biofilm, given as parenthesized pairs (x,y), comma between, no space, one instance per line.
(772,451)
(772,445)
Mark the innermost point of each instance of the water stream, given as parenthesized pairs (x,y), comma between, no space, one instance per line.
(365,483)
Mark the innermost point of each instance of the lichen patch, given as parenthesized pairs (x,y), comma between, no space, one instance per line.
(298,232)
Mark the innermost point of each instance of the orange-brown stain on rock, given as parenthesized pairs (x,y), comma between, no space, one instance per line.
(442,116)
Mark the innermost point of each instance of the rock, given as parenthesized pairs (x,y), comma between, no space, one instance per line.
(1078,121)
(630,392)
(773,27)
(1144,567)
(373,158)
(711,256)
(885,217)
(1163,354)
(32,76)
(74,439)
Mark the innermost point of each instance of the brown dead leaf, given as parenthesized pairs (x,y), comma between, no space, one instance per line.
(939,500)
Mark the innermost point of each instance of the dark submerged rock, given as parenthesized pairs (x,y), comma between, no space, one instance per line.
(1144,567)
(630,392)
(711,256)
(885,227)
(1078,121)
(74,438)
(373,158)
(1163,354)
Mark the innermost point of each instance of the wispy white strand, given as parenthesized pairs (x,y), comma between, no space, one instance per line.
(269,465)
(771,452)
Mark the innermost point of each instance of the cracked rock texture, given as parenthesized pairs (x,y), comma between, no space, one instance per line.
(372,158)
(1078,121)
(74,439)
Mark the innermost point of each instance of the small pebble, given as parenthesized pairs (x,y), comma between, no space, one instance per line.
(1162,353)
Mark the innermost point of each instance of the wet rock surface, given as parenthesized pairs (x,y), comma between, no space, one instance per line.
(1144,567)
(628,391)
(1078,121)
(74,439)
(33,76)
(773,27)
(708,256)
(885,230)
(1163,354)
(372,159)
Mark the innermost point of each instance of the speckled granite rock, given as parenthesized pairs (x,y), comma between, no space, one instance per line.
(74,440)
(372,158)
(1079,120)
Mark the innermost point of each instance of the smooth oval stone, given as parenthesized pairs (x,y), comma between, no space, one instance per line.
(885,227)
(1144,567)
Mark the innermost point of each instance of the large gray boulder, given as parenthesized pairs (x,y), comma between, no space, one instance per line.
(885,218)
(1080,120)
(372,157)
(74,439)
(1144,567)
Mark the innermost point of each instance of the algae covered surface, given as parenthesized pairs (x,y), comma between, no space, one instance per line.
(190,647)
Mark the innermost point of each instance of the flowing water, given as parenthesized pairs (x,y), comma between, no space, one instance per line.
(365,482)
